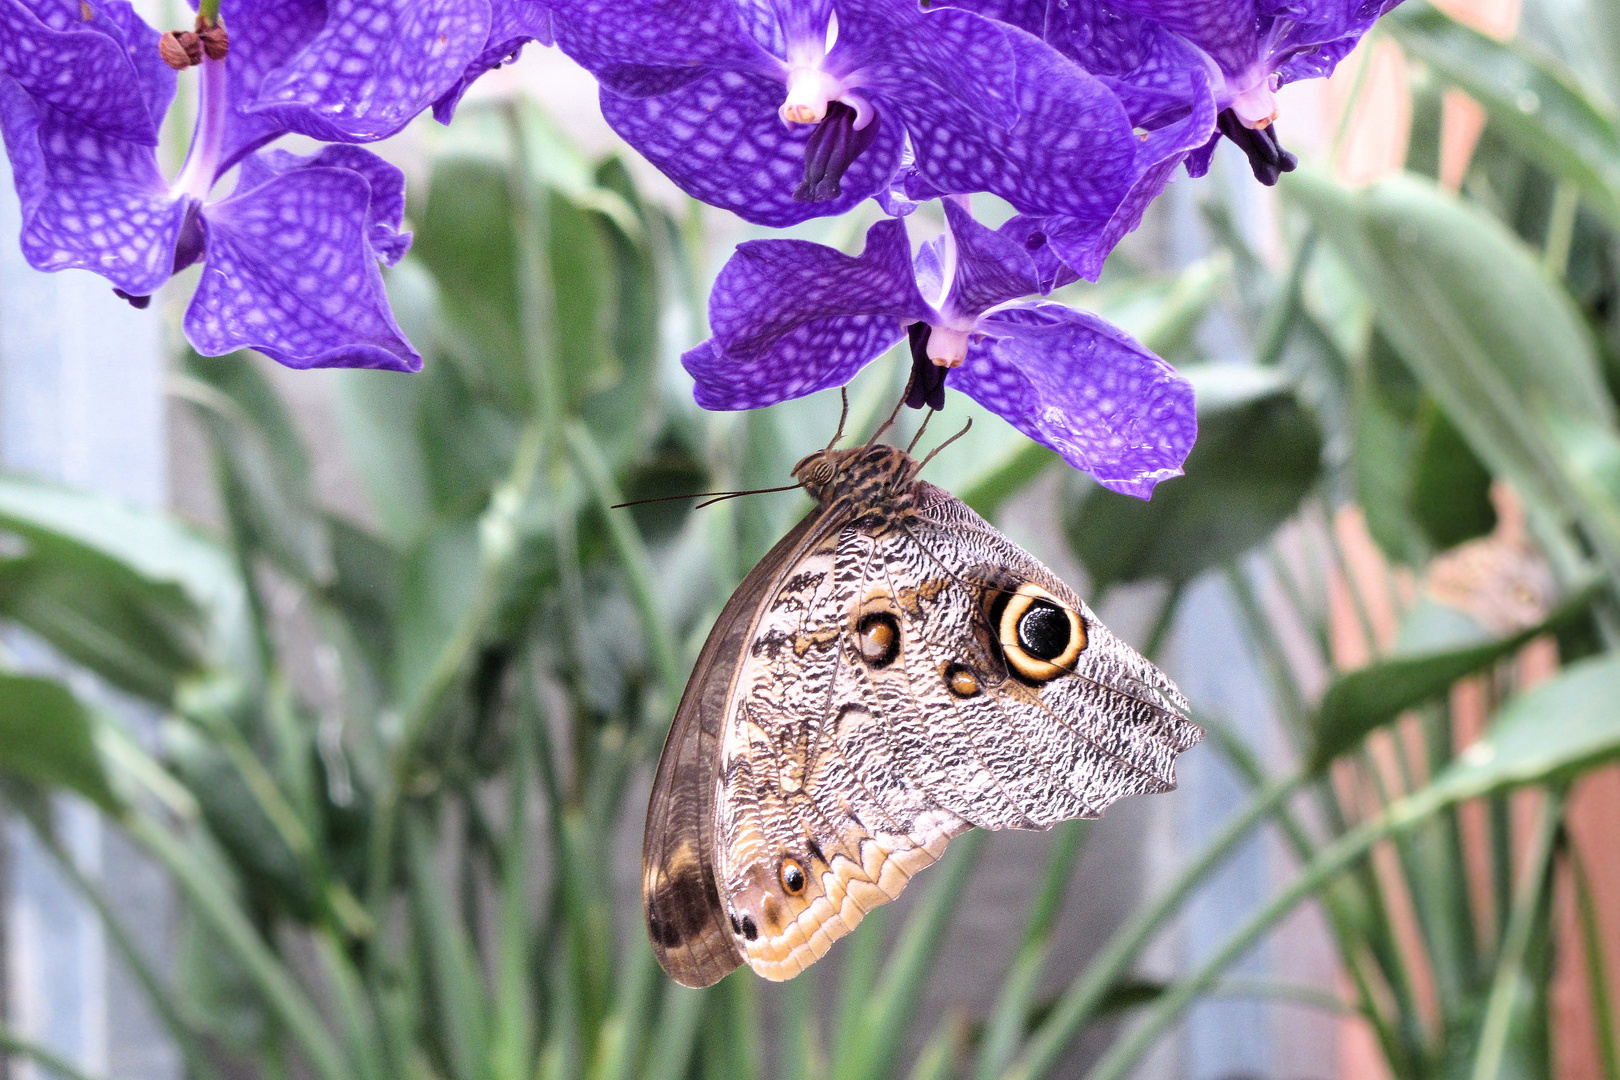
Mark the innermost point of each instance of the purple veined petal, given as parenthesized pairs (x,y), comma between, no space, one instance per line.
(513,24)
(1071,152)
(1072,382)
(1154,73)
(157,79)
(1027,15)
(1321,33)
(374,65)
(647,80)
(990,268)
(769,287)
(290,272)
(1083,243)
(602,34)
(1198,161)
(812,356)
(721,141)
(83,72)
(944,63)
(1051,272)
(386,211)
(90,201)
(265,34)
(1227,30)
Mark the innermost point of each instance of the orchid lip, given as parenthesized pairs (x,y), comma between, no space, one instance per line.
(810,90)
(947,346)
(1255,106)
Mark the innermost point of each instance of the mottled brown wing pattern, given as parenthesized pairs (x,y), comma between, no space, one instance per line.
(893,673)
(849,760)
(679,892)
(818,821)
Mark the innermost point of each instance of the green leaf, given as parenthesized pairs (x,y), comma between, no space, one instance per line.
(265,470)
(48,737)
(238,820)
(377,411)
(439,582)
(1541,108)
(1258,453)
(1496,342)
(142,636)
(1358,702)
(466,241)
(154,547)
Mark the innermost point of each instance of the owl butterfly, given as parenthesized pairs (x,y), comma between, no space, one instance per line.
(893,672)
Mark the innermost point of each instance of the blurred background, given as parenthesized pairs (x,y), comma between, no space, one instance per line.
(329,699)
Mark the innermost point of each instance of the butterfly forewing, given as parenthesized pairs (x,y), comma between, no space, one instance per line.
(894,672)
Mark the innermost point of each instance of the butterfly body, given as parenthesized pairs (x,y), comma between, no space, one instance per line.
(894,672)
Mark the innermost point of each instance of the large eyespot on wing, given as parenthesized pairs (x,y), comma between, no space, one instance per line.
(1040,636)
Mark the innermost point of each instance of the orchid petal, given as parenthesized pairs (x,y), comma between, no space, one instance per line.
(84,70)
(922,60)
(1228,31)
(1086,389)
(374,65)
(791,317)
(1084,244)
(768,287)
(1051,272)
(513,24)
(1071,152)
(90,200)
(991,268)
(813,356)
(290,272)
(603,34)
(385,214)
(720,140)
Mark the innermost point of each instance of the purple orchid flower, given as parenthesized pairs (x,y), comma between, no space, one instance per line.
(290,254)
(783,110)
(1153,53)
(790,317)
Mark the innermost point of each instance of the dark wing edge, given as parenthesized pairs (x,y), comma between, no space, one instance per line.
(680,896)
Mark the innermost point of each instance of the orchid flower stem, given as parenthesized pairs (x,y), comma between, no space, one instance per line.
(209,11)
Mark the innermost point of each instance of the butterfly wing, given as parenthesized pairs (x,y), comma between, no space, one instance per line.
(679,894)
(881,709)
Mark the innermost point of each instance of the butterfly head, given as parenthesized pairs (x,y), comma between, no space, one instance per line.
(867,473)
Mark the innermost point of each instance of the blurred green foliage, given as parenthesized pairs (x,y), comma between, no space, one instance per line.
(398,758)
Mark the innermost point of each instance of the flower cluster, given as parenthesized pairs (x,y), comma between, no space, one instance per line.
(1075,112)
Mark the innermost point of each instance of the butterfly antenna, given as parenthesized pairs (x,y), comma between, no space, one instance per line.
(712,496)
(843,415)
(723,496)
(889,423)
(943,445)
(917,438)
